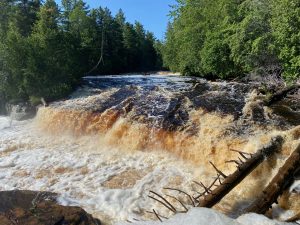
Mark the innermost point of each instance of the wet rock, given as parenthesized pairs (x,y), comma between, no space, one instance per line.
(170,102)
(258,113)
(39,208)
(21,111)
(176,116)
(285,112)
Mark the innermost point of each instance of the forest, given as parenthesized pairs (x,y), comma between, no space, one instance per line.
(45,49)
(201,127)
(230,38)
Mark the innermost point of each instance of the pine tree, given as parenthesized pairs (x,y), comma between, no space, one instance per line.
(44,51)
(48,73)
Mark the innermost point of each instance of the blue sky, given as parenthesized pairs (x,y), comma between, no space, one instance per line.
(153,14)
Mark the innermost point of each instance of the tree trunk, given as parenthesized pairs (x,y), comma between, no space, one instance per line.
(244,169)
(281,94)
(283,179)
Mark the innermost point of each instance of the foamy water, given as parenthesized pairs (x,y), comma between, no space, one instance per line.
(5,122)
(110,183)
(106,182)
(118,138)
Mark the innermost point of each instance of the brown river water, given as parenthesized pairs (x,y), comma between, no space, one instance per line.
(118,137)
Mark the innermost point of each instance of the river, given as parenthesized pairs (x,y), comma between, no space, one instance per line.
(118,137)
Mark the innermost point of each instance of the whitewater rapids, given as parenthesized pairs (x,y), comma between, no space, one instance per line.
(117,138)
(103,180)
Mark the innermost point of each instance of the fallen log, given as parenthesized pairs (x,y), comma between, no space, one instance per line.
(283,179)
(244,168)
(281,94)
(211,196)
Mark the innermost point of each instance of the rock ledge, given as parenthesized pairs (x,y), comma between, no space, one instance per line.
(39,208)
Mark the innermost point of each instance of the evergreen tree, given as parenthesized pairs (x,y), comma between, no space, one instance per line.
(252,40)
(13,53)
(48,73)
(286,30)
(120,18)
(226,38)
(6,8)
(25,15)
(44,51)
(131,46)
(170,50)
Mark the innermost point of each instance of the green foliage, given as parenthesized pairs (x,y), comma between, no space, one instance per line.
(47,73)
(12,54)
(34,100)
(215,57)
(169,50)
(251,40)
(44,51)
(229,38)
(286,30)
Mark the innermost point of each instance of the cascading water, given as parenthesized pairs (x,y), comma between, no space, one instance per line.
(117,137)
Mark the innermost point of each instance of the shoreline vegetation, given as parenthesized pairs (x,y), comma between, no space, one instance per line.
(46,49)
(228,39)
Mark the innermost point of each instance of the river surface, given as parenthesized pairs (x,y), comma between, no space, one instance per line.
(118,137)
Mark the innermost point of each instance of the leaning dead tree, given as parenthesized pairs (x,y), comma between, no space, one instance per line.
(283,180)
(210,196)
(281,94)
(244,168)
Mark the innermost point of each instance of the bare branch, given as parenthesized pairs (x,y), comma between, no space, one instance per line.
(157,215)
(161,202)
(151,212)
(241,161)
(181,203)
(207,190)
(183,192)
(233,161)
(241,153)
(165,200)
(218,171)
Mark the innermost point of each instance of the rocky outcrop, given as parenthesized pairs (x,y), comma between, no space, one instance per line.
(39,208)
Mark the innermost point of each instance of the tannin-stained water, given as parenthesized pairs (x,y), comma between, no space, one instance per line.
(118,137)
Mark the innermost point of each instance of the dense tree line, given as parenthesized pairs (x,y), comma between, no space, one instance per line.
(45,49)
(230,38)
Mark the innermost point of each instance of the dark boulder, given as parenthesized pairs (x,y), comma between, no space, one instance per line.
(39,208)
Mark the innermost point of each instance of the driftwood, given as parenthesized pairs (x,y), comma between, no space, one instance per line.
(281,94)
(280,182)
(212,197)
(245,165)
